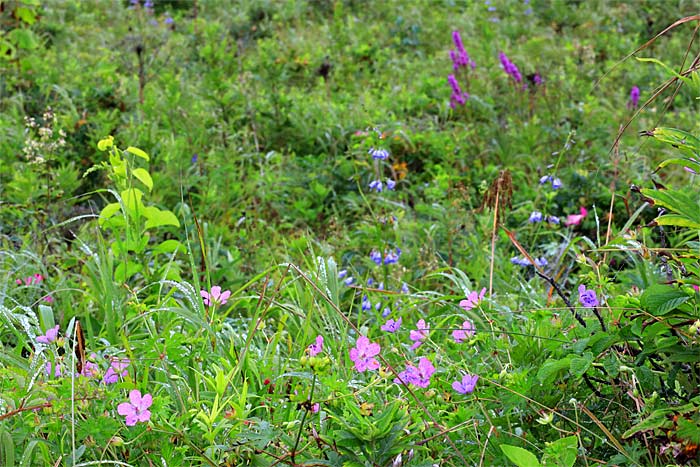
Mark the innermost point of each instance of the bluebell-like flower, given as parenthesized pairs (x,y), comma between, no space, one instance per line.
(390,184)
(376,185)
(349,281)
(404,288)
(380,154)
(536,216)
(553,220)
(386,312)
(556,184)
(366,304)
(375,256)
(541,262)
(544,179)
(391,258)
(342,273)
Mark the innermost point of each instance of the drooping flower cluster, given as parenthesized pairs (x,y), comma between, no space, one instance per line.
(537,216)
(378,185)
(556,182)
(510,68)
(522,261)
(389,257)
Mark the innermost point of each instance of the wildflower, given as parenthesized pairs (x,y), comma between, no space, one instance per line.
(48,298)
(342,273)
(168,19)
(136,410)
(460,57)
(195,158)
(90,369)
(392,258)
(390,184)
(420,334)
(575,219)
(404,288)
(315,407)
(634,98)
(349,281)
(457,97)
(33,279)
(366,304)
(541,261)
(556,184)
(463,334)
(50,336)
(363,354)
(419,376)
(537,79)
(467,384)
(553,220)
(472,299)
(536,216)
(588,297)
(510,68)
(216,297)
(117,369)
(391,325)
(315,348)
(376,185)
(379,154)
(375,256)
(520,261)
(386,312)
(544,179)
(56,372)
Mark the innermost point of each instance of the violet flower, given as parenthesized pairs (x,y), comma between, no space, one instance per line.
(391,325)
(419,335)
(216,296)
(363,354)
(50,336)
(587,297)
(417,376)
(315,348)
(467,384)
(467,331)
(472,299)
(634,98)
(136,410)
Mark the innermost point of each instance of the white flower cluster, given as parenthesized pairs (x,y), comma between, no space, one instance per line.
(41,141)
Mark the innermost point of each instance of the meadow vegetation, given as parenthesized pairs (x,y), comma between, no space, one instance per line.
(347,233)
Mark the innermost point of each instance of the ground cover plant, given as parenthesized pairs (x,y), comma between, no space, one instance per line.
(322,233)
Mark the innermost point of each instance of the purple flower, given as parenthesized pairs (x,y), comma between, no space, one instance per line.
(376,185)
(391,325)
(136,410)
(536,216)
(420,334)
(457,97)
(342,273)
(556,184)
(537,79)
(379,154)
(472,299)
(349,281)
(117,369)
(510,68)
(588,297)
(392,258)
(386,312)
(363,354)
(390,184)
(57,370)
(553,220)
(168,19)
(419,376)
(404,288)
(463,334)
(544,179)
(634,98)
(375,256)
(195,158)
(366,304)
(541,261)
(316,348)
(90,369)
(467,384)
(50,336)
(460,57)
(216,297)
(520,261)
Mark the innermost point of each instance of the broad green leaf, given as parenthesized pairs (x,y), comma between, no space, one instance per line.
(156,218)
(105,143)
(678,202)
(561,452)
(137,152)
(660,299)
(519,456)
(7,448)
(551,368)
(657,419)
(144,176)
(168,246)
(108,211)
(23,38)
(25,14)
(677,220)
(579,365)
(682,161)
(125,270)
(132,200)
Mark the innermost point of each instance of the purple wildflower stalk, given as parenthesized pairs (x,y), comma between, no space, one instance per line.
(458,97)
(510,68)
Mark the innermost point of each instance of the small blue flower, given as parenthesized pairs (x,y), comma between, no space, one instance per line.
(556,183)
(553,220)
(536,216)
(342,273)
(366,304)
(545,179)
(375,256)
(376,185)
(541,262)
(390,184)
(386,312)
(391,258)
(404,288)
(195,158)
(379,154)
(349,281)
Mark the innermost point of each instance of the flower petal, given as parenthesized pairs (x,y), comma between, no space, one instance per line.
(125,408)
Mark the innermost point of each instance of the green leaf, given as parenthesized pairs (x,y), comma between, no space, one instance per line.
(561,452)
(579,365)
(137,152)
(107,212)
(132,200)
(551,368)
(657,419)
(519,456)
(660,299)
(25,14)
(125,270)
(7,448)
(157,218)
(677,220)
(144,176)
(168,246)
(23,38)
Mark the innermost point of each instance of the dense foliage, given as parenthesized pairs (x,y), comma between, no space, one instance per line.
(340,233)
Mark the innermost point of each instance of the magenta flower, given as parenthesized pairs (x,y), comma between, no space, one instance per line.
(463,334)
(35,279)
(56,372)
(50,336)
(216,297)
(48,299)
(90,370)
(634,98)
(136,410)
(458,97)
(467,384)
(420,334)
(391,325)
(587,298)
(316,348)
(419,376)
(117,369)
(363,354)
(472,299)
(575,219)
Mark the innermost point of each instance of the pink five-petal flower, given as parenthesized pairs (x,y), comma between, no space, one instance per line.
(50,336)
(417,376)
(363,354)
(472,299)
(216,296)
(136,410)
(420,334)
(316,348)
(467,384)
(465,333)
(575,219)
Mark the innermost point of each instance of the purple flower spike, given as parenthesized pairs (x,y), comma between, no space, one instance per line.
(136,410)
(467,384)
(460,57)
(50,336)
(457,97)
(510,68)
(634,98)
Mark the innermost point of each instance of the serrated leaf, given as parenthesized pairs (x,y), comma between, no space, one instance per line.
(137,152)
(660,299)
(519,456)
(579,365)
(144,177)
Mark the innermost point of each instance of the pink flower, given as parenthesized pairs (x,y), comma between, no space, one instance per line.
(363,354)
(317,348)
(417,376)
(472,300)
(216,297)
(116,370)
(35,279)
(575,219)
(50,336)
(56,372)
(463,334)
(48,298)
(467,384)
(136,410)
(315,408)
(420,334)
